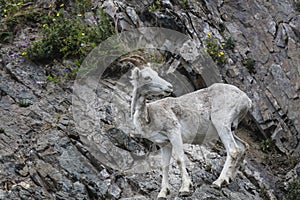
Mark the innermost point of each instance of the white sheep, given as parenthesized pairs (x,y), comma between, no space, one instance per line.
(193,118)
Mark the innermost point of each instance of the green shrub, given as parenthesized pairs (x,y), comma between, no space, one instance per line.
(67,37)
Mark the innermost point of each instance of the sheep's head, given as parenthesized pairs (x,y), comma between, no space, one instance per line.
(146,81)
(149,83)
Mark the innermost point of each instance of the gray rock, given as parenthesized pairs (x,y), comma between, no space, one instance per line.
(104,174)
(80,192)
(104,186)
(134,17)
(2,194)
(114,191)
(295,25)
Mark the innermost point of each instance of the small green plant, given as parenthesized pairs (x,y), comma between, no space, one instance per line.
(229,44)
(53,79)
(24,103)
(185,3)
(293,192)
(155,6)
(250,65)
(215,50)
(2,130)
(267,145)
(208,167)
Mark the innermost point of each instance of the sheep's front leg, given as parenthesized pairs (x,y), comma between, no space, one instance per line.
(176,141)
(166,152)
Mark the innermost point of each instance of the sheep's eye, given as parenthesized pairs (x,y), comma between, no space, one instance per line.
(147,78)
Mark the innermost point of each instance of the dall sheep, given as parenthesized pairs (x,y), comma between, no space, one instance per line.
(193,118)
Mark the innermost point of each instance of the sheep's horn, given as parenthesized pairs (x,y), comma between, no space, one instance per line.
(137,60)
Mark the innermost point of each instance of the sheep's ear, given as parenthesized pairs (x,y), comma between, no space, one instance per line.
(135,74)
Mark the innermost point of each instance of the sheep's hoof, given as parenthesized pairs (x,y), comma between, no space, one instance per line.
(219,184)
(184,194)
(161,198)
(215,186)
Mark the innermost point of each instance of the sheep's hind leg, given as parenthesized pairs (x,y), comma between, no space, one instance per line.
(238,162)
(166,152)
(233,149)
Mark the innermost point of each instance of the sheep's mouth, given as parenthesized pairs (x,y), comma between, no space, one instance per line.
(167,93)
(164,94)
(160,96)
(158,93)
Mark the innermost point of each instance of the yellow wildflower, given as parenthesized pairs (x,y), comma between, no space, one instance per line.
(209,34)
(50,6)
(62,5)
(83,34)
(20,3)
(57,14)
(54,19)
(221,53)
(5,11)
(79,15)
(24,53)
(44,25)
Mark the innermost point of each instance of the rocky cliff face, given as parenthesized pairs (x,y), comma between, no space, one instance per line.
(42,155)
